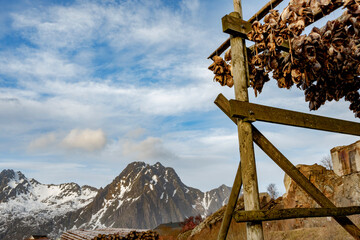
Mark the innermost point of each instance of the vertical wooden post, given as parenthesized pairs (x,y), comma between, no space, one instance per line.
(247,156)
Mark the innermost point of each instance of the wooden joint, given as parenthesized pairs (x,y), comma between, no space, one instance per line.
(235,26)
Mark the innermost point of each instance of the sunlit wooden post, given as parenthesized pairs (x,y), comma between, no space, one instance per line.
(247,156)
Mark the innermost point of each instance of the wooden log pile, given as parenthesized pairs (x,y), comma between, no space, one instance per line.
(325,64)
(133,235)
(109,234)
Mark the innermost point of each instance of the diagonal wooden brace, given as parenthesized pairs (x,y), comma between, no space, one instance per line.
(234,195)
(302,181)
(291,170)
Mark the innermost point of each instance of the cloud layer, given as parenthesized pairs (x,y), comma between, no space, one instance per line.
(98,84)
(87,139)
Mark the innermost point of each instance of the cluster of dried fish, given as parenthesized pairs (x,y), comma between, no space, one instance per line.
(325,63)
(222,70)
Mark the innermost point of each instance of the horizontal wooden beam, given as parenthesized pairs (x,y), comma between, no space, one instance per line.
(225,45)
(280,214)
(265,10)
(257,16)
(257,112)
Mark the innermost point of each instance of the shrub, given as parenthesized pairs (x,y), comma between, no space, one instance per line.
(191,222)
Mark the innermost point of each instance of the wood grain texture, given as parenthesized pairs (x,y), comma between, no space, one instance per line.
(235,26)
(301,180)
(240,28)
(280,214)
(241,109)
(248,168)
(234,195)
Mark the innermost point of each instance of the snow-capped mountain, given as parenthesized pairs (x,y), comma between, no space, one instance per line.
(142,196)
(26,204)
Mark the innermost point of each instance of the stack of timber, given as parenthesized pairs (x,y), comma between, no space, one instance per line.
(325,64)
(109,234)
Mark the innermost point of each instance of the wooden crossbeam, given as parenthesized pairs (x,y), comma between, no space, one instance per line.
(257,16)
(280,214)
(258,112)
(238,27)
(291,170)
(235,26)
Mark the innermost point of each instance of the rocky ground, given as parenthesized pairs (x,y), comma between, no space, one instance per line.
(343,191)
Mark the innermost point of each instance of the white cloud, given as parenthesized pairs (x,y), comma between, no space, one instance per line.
(42,142)
(151,148)
(85,139)
(136,133)
(25,63)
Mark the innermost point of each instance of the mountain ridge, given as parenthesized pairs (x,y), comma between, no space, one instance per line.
(141,196)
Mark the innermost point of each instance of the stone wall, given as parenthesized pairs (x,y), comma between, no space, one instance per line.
(346,159)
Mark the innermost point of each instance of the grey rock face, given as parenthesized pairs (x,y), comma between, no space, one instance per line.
(142,196)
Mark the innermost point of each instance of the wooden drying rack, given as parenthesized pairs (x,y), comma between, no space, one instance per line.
(243,113)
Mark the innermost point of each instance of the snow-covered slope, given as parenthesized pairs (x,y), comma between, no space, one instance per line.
(22,198)
(142,196)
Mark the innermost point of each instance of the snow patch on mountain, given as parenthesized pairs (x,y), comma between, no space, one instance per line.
(142,196)
(42,200)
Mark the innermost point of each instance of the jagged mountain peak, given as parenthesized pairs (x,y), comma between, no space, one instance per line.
(139,178)
(145,195)
(9,174)
(136,170)
(141,196)
(12,183)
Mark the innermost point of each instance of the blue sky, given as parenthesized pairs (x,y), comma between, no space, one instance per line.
(87,87)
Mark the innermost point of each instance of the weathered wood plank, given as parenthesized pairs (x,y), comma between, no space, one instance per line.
(280,214)
(291,170)
(235,26)
(301,180)
(257,112)
(240,28)
(239,63)
(222,48)
(224,104)
(234,195)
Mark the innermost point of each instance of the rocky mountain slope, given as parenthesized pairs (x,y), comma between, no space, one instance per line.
(142,196)
(27,205)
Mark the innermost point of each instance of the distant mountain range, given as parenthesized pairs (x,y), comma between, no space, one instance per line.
(142,196)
